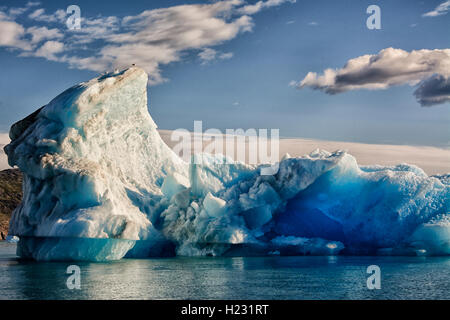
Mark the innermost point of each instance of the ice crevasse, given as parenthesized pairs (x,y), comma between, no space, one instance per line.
(100,184)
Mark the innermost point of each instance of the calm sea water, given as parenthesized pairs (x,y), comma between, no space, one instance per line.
(227,278)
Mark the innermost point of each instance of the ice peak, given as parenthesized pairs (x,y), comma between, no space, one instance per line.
(92,153)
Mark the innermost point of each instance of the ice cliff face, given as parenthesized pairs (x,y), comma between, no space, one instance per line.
(97,178)
(93,162)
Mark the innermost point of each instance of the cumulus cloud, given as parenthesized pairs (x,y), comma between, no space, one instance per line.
(49,49)
(388,68)
(11,34)
(15,36)
(157,37)
(150,39)
(440,10)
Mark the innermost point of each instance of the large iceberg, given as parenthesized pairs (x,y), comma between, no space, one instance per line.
(100,184)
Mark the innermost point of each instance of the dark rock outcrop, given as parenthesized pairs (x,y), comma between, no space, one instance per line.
(10,196)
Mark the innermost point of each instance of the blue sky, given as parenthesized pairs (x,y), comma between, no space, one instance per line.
(253,55)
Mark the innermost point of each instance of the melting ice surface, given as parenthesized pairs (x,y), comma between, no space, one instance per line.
(100,184)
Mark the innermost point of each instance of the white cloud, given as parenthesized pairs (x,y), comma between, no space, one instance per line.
(15,36)
(11,34)
(226,55)
(208,55)
(150,39)
(16,11)
(158,37)
(258,6)
(440,10)
(33,3)
(43,33)
(37,13)
(313,23)
(40,15)
(92,29)
(380,71)
(13,12)
(49,49)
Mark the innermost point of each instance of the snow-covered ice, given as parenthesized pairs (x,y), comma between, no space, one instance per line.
(100,184)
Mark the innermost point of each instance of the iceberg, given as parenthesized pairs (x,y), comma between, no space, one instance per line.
(100,184)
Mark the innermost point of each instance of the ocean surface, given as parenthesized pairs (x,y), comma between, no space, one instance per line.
(304,277)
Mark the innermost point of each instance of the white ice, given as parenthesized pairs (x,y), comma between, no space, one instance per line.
(100,184)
